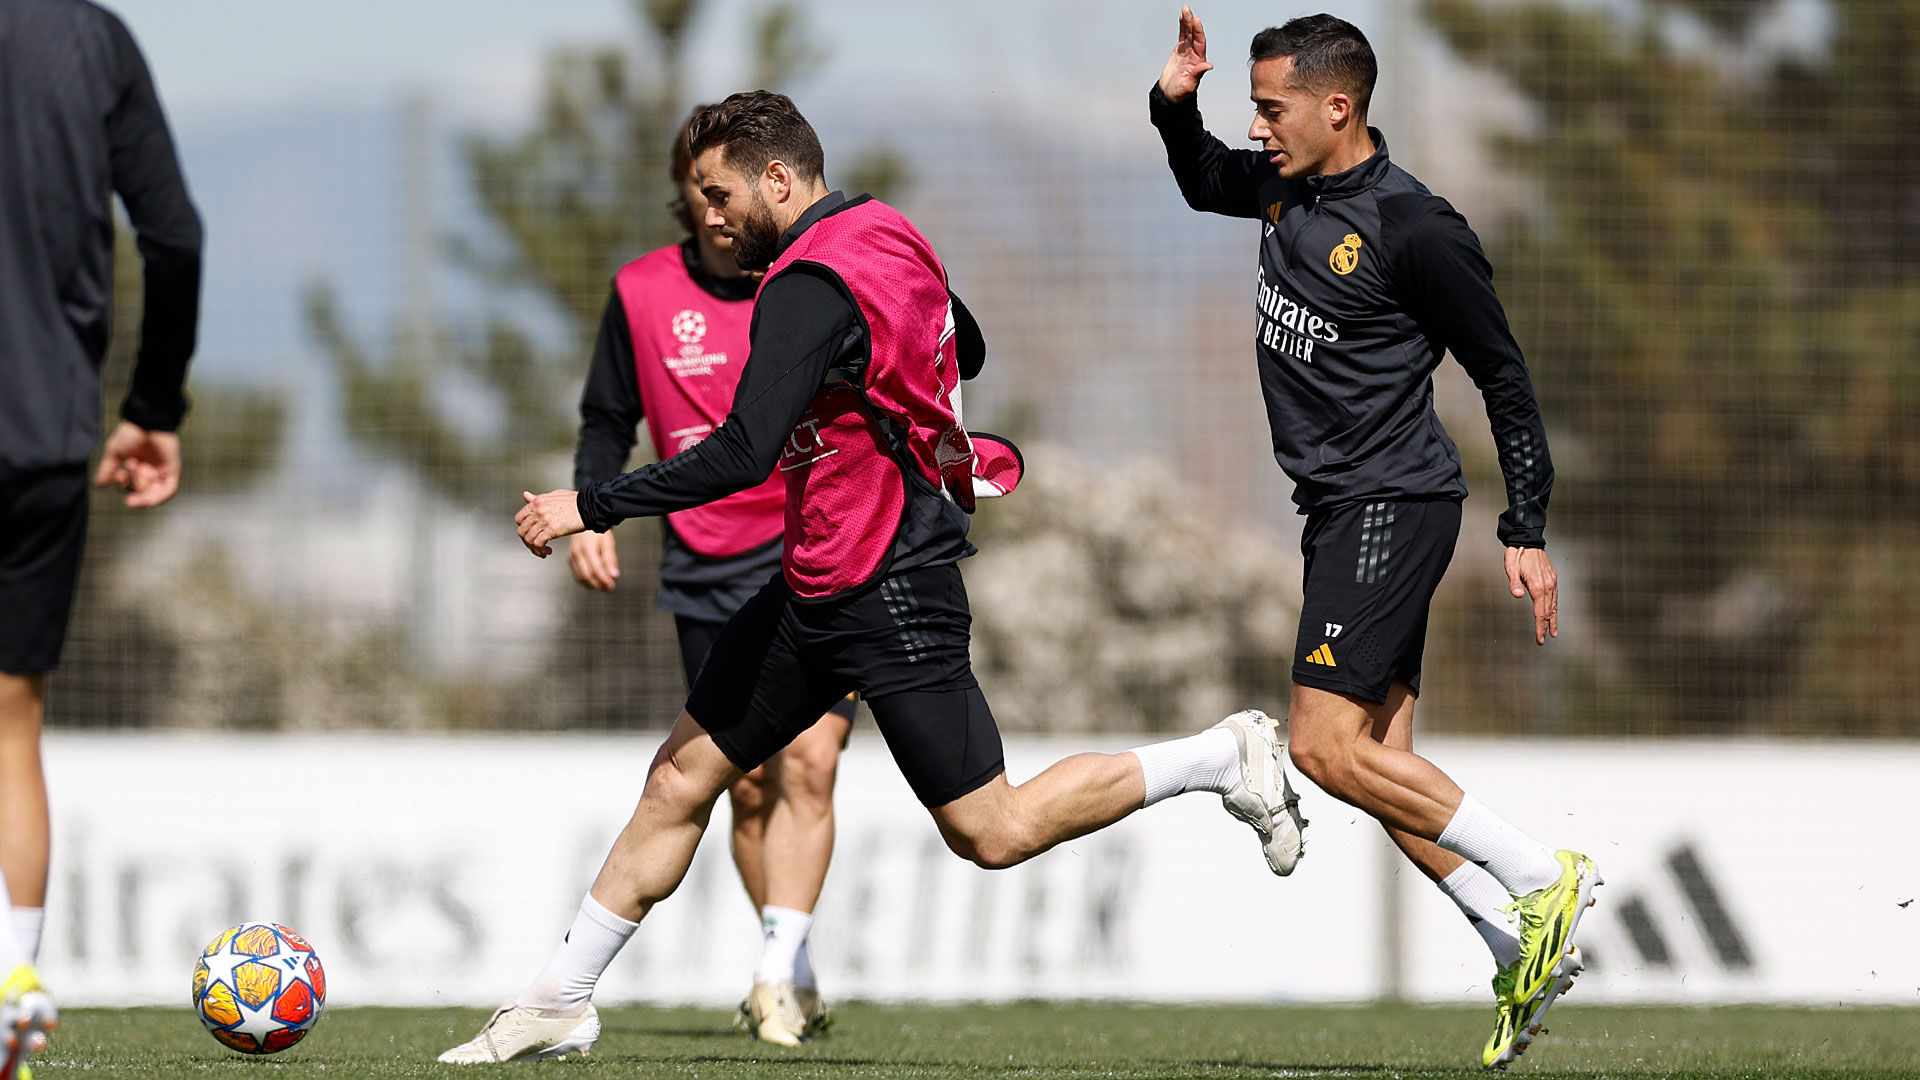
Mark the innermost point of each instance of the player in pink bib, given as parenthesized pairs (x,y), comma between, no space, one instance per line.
(852,393)
(670,350)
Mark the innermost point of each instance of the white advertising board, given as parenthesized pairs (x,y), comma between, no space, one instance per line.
(441,870)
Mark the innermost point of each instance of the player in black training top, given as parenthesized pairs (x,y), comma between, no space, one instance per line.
(78,121)
(1366,280)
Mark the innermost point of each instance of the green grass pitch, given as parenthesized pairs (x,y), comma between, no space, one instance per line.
(1040,1041)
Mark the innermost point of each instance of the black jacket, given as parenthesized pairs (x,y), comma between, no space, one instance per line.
(1366,280)
(79,121)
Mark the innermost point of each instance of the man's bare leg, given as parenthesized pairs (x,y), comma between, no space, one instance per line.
(24,835)
(799,832)
(1391,724)
(23,789)
(752,798)
(651,855)
(1330,738)
(555,1017)
(783,843)
(1000,825)
(649,859)
(1480,898)
(783,819)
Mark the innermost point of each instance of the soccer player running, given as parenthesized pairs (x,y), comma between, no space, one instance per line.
(1366,279)
(79,120)
(671,347)
(852,391)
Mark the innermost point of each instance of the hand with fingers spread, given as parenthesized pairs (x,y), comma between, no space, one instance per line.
(1530,573)
(1181,77)
(546,518)
(145,464)
(595,562)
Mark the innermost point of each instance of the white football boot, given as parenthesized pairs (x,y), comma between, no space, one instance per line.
(518,1033)
(778,1013)
(1264,798)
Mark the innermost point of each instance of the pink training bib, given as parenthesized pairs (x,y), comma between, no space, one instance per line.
(688,350)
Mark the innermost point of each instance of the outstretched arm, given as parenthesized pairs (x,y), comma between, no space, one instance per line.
(801,325)
(1212,177)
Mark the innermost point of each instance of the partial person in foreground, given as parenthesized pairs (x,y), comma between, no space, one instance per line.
(79,121)
(1366,280)
(671,348)
(852,390)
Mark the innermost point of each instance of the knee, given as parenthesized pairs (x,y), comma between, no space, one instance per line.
(996,849)
(751,795)
(807,774)
(670,787)
(987,853)
(1326,761)
(22,703)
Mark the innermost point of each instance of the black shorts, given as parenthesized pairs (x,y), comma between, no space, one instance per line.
(903,645)
(696,641)
(43,529)
(1372,569)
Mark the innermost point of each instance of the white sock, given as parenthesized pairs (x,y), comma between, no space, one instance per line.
(11,953)
(1485,905)
(27,922)
(784,933)
(590,945)
(803,976)
(1209,761)
(1517,861)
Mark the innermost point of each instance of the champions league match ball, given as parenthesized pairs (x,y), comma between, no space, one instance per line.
(259,988)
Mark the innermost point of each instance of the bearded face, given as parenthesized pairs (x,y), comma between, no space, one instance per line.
(756,237)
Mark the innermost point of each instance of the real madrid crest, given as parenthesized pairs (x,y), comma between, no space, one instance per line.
(1346,256)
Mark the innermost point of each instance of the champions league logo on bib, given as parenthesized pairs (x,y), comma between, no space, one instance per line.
(690,327)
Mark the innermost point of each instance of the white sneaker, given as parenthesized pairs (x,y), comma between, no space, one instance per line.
(813,1009)
(519,1033)
(775,1012)
(1264,798)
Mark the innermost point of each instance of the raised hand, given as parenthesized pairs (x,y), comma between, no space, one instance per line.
(1181,77)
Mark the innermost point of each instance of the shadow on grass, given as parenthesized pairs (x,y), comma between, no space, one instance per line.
(778,1057)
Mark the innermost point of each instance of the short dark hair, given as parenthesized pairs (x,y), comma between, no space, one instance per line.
(754,128)
(1328,54)
(680,165)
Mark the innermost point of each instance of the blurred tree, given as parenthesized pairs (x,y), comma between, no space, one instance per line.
(583,191)
(122,663)
(1714,289)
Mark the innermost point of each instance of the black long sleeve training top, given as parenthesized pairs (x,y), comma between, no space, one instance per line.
(1366,280)
(801,322)
(79,121)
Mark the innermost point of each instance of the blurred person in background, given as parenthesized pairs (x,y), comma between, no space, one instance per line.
(671,348)
(853,391)
(1366,280)
(79,121)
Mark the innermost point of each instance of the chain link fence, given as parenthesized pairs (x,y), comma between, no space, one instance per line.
(1700,214)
